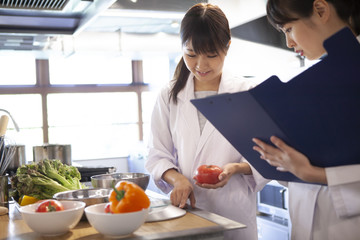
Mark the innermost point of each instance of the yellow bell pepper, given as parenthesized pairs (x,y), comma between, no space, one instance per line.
(26,200)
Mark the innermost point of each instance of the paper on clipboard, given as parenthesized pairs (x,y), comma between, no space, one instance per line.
(317,112)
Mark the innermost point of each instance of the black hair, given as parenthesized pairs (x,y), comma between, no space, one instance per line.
(207,27)
(280,12)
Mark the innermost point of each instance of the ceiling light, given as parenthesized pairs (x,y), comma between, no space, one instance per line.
(82,6)
(142,14)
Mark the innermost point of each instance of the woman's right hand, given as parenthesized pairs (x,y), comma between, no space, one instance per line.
(183,189)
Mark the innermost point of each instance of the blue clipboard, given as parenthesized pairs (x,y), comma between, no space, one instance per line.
(317,112)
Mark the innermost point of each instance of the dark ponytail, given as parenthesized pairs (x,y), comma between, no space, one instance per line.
(181,75)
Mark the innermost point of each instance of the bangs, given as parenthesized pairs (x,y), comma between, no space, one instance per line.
(204,41)
(279,13)
(207,29)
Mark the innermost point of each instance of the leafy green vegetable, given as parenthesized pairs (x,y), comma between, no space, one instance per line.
(45,178)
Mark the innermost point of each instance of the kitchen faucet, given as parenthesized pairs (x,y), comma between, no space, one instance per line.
(12,119)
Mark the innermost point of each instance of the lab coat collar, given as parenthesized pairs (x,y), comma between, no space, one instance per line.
(188,92)
(186,95)
(227,85)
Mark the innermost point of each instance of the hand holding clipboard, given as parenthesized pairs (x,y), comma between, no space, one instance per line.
(317,112)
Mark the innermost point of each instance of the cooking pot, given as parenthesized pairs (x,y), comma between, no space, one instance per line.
(53,151)
(19,157)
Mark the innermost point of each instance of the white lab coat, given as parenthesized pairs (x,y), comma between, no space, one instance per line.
(176,143)
(329,212)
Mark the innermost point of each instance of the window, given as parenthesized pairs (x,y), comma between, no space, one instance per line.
(90,102)
(17,70)
(26,110)
(90,69)
(156,70)
(148,101)
(97,125)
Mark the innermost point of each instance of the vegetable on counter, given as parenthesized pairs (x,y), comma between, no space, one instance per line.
(43,179)
(208,174)
(49,205)
(26,200)
(107,208)
(127,197)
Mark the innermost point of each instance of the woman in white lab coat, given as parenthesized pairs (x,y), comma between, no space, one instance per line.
(330,209)
(182,139)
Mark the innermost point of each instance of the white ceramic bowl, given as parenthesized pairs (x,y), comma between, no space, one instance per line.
(114,225)
(53,223)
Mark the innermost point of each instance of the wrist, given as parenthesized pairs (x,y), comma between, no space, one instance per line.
(314,175)
(245,168)
(242,168)
(172,176)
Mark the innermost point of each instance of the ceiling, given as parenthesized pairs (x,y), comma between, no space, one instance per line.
(143,16)
(137,21)
(146,17)
(49,16)
(36,24)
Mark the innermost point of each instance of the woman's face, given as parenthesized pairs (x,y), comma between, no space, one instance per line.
(305,36)
(206,67)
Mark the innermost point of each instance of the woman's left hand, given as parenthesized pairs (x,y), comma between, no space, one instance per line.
(283,157)
(228,170)
(287,159)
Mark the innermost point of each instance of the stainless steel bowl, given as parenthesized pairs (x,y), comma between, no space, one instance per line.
(109,180)
(89,196)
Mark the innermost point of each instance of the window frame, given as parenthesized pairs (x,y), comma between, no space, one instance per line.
(43,87)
